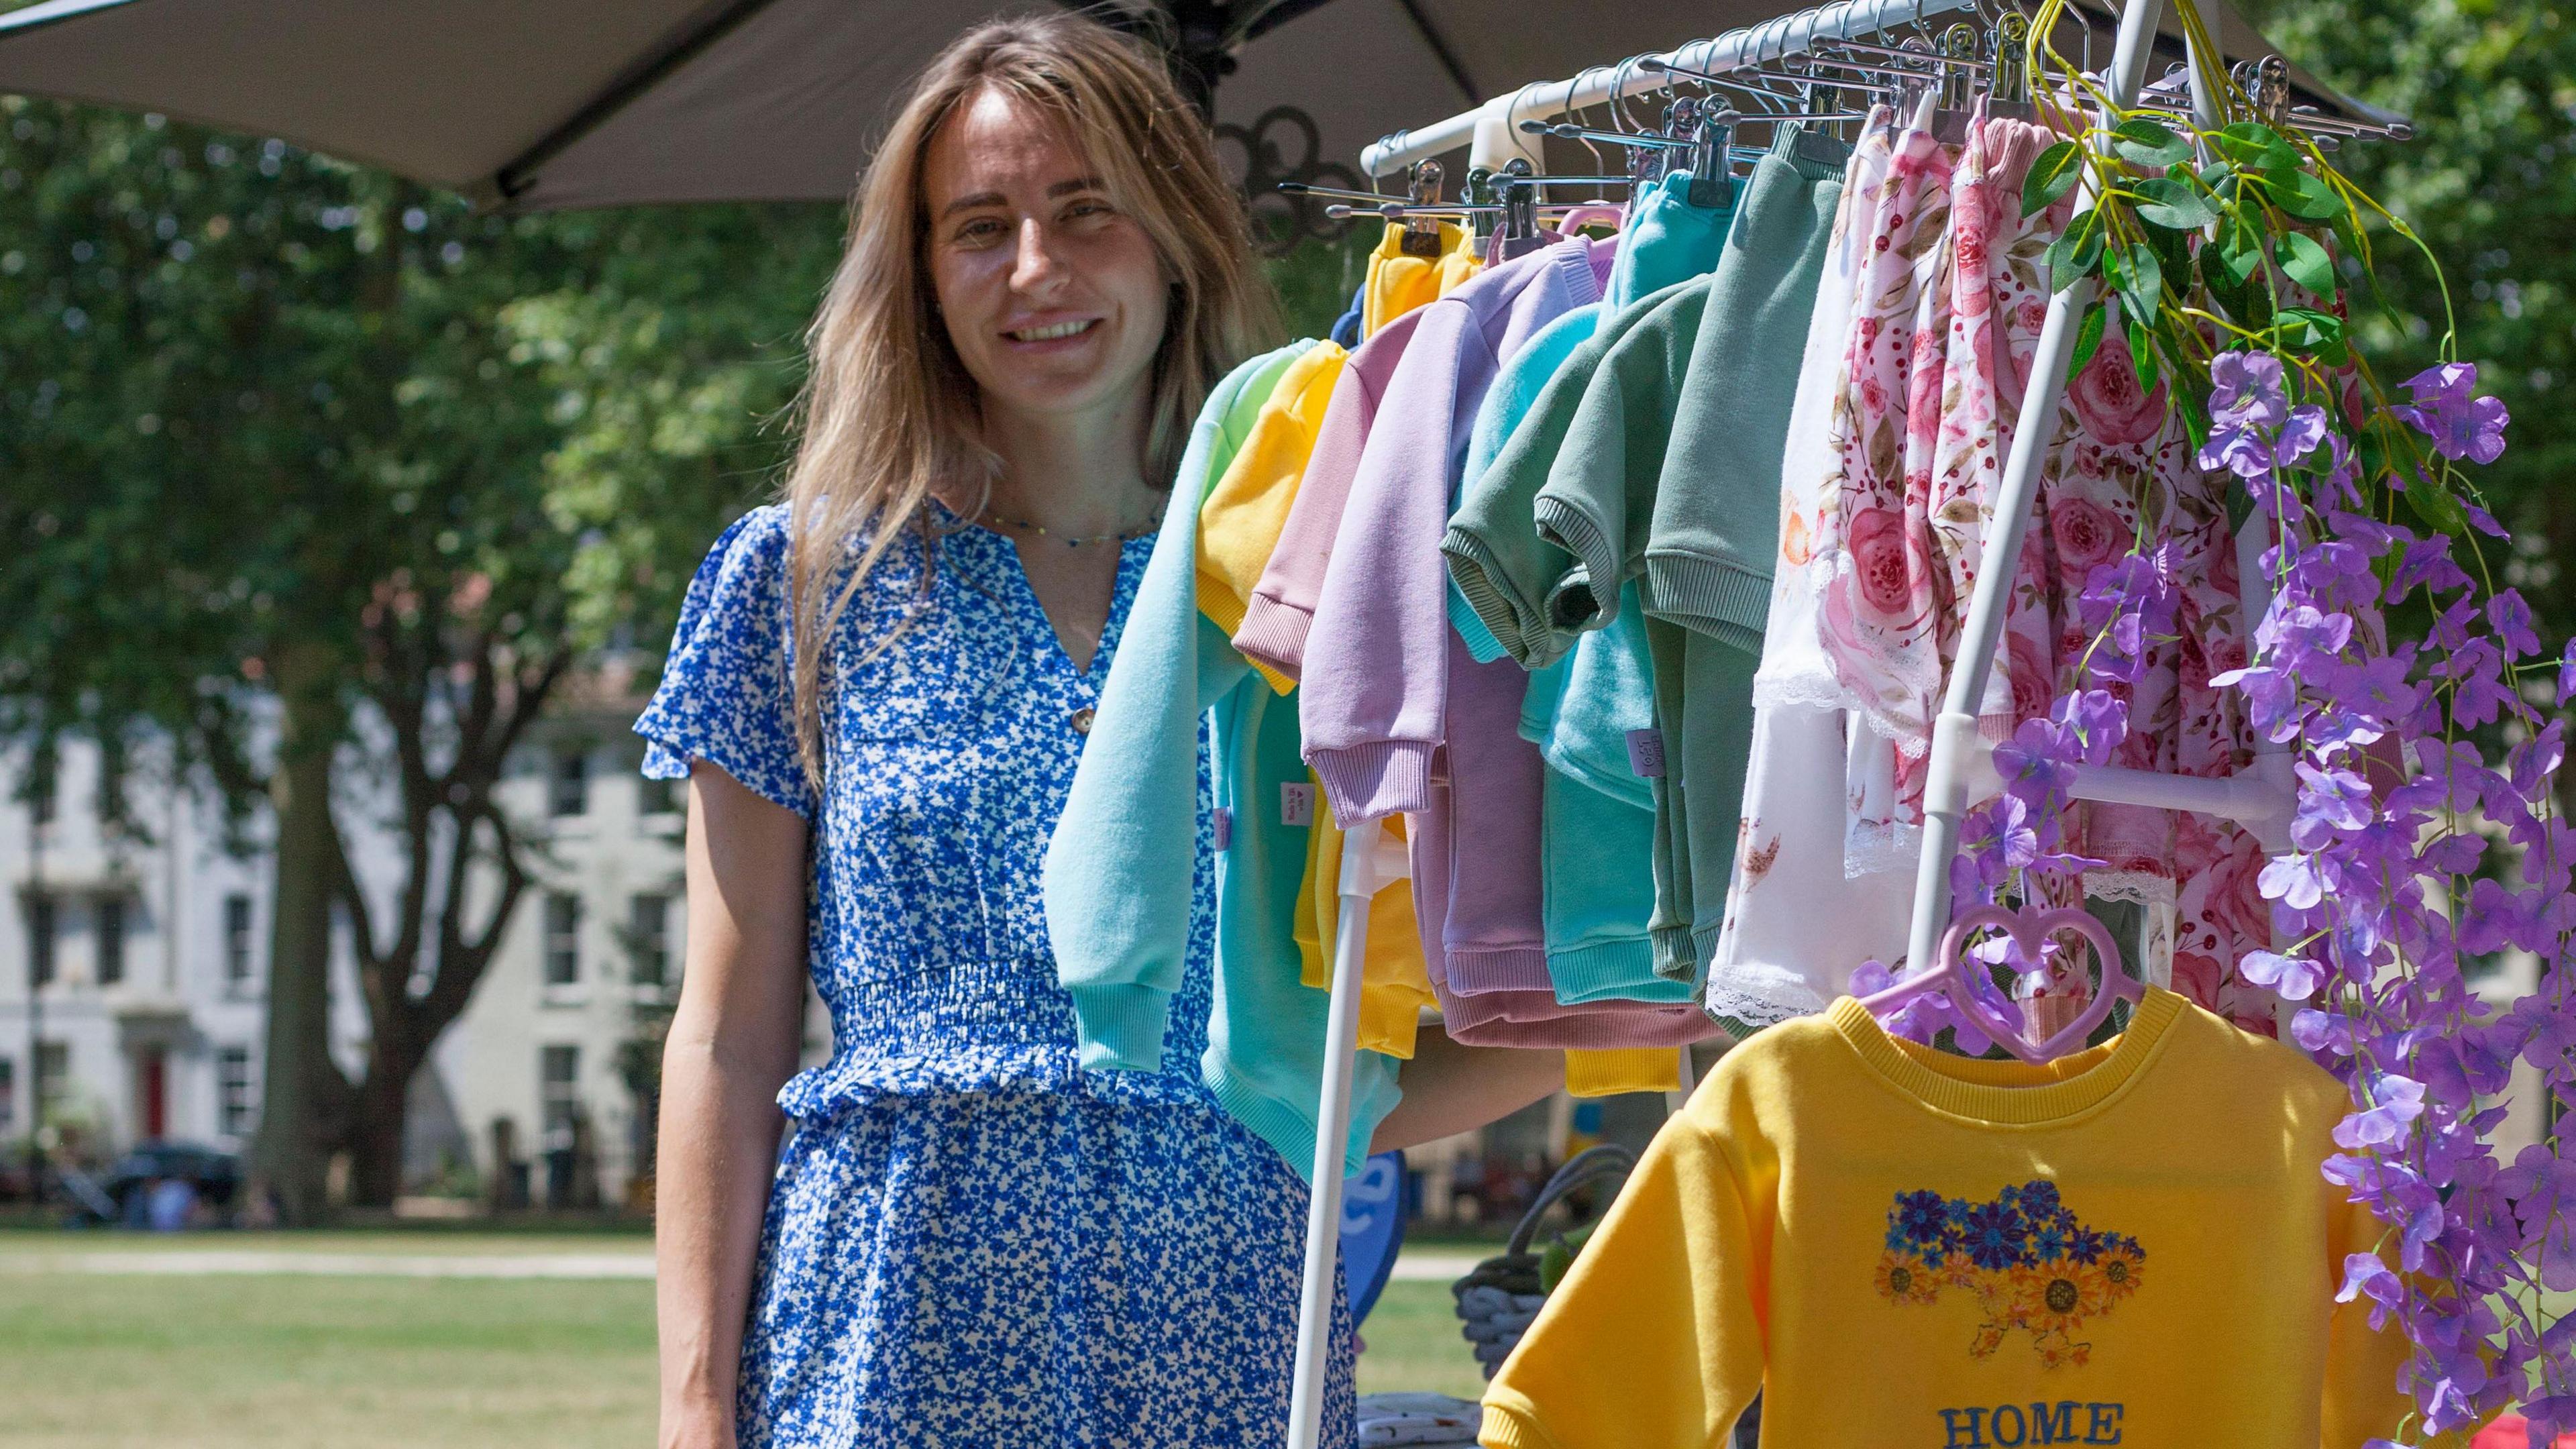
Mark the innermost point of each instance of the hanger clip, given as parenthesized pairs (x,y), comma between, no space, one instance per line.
(1422,233)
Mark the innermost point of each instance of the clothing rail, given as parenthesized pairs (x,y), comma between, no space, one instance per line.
(1492,126)
(2257,798)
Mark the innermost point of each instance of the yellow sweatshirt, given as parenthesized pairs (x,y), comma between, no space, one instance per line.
(1394,983)
(1907,1250)
(1398,283)
(1244,511)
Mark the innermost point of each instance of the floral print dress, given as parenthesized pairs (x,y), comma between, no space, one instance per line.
(1944,330)
(971,1241)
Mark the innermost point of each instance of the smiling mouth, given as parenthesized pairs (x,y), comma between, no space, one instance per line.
(1054,331)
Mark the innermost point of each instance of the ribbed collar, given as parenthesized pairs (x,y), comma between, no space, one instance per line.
(2012,1093)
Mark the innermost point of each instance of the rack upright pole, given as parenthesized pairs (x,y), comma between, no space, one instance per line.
(1370,860)
(1954,733)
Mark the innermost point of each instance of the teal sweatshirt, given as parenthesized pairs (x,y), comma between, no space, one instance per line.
(1117,879)
(1599,838)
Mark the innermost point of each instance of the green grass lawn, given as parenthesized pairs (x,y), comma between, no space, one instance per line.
(91,1361)
(88,1362)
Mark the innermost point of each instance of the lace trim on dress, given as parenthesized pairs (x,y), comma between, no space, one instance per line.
(1760,996)
(2144,887)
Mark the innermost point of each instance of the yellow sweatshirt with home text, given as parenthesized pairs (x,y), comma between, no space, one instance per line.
(1902,1249)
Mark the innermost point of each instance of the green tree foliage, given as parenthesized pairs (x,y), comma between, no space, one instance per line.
(296,442)
(2489,183)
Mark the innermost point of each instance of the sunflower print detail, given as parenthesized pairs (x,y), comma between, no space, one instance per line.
(2021,1256)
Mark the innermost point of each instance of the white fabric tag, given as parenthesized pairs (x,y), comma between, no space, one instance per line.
(1296,805)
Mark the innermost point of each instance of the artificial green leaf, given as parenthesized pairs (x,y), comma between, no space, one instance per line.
(2240,503)
(2173,254)
(2237,255)
(2163,201)
(2051,176)
(2139,276)
(2434,504)
(2088,338)
(2306,263)
(2306,197)
(2144,142)
(2305,329)
(2255,147)
(2195,418)
(2142,355)
(2076,253)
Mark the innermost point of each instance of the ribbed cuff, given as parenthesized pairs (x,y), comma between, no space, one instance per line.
(1676,959)
(1617,969)
(1481,582)
(1587,597)
(1508,1426)
(1482,646)
(1709,596)
(1120,1026)
(1274,634)
(1518,970)
(1612,1073)
(1372,781)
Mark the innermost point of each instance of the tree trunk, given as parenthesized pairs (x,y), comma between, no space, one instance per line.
(376,1122)
(291,1154)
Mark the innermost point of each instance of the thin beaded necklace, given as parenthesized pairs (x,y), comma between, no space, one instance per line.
(1069,541)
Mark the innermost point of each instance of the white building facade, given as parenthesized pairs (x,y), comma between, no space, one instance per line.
(133,967)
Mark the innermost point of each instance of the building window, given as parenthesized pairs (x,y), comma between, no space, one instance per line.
(563,939)
(568,783)
(38,788)
(232,1091)
(237,941)
(648,924)
(40,940)
(108,928)
(558,1093)
(657,797)
(53,1073)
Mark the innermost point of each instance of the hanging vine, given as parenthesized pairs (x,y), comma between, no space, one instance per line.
(2425,717)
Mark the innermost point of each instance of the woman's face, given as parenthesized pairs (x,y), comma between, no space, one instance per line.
(1054,299)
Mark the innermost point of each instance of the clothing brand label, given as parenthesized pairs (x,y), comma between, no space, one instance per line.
(1646,754)
(1296,805)
(1224,827)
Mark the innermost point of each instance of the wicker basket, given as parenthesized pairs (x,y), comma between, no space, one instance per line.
(1501,1295)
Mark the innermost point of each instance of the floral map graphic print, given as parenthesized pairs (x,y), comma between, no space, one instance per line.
(2029,1264)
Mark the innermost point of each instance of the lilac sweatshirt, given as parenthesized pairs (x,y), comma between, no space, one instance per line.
(1387,683)
(1374,694)
(1282,606)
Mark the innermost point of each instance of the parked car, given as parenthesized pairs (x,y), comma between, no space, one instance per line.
(117,1195)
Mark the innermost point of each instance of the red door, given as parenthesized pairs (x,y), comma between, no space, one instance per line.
(152,1088)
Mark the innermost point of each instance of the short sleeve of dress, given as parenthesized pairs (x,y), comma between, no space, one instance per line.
(727,695)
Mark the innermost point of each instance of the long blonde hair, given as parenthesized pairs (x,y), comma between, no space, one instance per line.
(889,412)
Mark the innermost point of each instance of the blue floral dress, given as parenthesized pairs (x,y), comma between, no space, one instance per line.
(970,1240)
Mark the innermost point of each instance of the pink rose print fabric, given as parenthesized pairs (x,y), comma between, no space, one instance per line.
(2118,477)
(1946,320)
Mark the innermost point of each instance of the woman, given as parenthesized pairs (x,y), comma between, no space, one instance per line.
(878,693)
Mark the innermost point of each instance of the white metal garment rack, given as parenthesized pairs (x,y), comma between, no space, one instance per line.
(2258,799)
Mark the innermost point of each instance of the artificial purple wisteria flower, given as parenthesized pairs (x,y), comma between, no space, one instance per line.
(2461,426)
